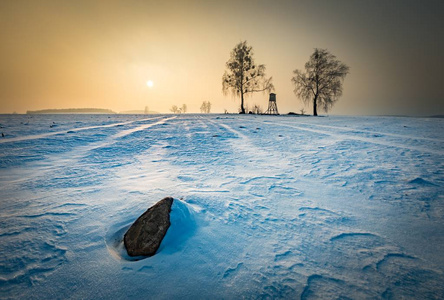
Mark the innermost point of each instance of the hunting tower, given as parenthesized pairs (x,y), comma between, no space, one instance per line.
(272,107)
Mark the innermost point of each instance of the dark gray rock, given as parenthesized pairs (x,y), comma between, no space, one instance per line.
(143,238)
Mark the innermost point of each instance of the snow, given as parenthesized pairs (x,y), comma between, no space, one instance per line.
(265,206)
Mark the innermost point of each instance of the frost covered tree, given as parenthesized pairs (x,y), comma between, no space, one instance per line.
(322,80)
(243,76)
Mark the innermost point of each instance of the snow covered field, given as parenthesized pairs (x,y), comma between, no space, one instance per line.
(273,206)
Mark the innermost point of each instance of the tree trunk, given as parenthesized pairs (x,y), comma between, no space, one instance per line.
(242,104)
(315,103)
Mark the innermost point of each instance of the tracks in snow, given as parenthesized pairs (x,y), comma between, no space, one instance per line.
(48,134)
(72,157)
(279,242)
(40,205)
(319,242)
(376,133)
(373,140)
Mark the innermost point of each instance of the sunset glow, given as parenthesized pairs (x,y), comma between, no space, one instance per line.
(69,54)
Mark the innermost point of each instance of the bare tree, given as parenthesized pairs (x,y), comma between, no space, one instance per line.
(184,108)
(246,108)
(146,110)
(174,109)
(208,107)
(257,109)
(205,107)
(244,76)
(321,81)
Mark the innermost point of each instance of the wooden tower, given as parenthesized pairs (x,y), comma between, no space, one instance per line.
(272,107)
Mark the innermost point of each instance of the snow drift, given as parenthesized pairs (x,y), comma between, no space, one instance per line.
(273,206)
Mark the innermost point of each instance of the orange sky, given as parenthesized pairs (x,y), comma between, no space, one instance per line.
(74,54)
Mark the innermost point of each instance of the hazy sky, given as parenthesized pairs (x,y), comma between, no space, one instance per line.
(74,54)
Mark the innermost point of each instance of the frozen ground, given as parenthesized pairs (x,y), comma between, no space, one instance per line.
(273,207)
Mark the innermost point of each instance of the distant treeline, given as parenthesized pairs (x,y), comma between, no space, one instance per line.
(71,111)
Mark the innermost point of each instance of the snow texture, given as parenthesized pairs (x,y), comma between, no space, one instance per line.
(271,206)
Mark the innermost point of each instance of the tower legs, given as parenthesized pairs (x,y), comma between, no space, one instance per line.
(272,108)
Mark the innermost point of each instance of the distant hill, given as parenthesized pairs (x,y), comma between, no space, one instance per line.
(137,112)
(71,111)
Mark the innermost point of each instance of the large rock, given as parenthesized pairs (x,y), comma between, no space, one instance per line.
(147,232)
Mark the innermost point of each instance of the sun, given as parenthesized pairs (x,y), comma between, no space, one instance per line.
(150,83)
